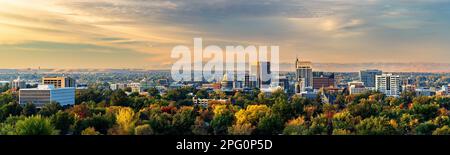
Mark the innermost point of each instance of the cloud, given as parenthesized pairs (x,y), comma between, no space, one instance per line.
(318,30)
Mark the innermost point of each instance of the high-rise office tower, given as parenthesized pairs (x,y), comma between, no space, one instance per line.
(304,71)
(263,75)
(368,77)
(388,84)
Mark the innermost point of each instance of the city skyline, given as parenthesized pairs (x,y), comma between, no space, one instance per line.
(140,34)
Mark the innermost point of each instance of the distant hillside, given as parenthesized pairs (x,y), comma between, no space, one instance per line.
(285,67)
(387,67)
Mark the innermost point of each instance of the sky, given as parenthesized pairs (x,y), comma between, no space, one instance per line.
(142,33)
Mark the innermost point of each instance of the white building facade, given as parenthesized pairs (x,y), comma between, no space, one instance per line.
(388,84)
(47,93)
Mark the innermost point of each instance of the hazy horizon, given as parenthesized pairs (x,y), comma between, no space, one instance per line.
(289,67)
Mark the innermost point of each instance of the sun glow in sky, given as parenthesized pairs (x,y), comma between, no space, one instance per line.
(141,34)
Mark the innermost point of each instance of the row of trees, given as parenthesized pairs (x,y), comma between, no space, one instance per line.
(105,112)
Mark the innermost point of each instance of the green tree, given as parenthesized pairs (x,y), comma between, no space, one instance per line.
(376,126)
(223,118)
(270,125)
(445,130)
(90,131)
(10,109)
(183,121)
(282,109)
(35,125)
(6,98)
(63,121)
(29,109)
(365,108)
(50,109)
(160,122)
(153,92)
(202,93)
(102,123)
(426,128)
(119,98)
(7,129)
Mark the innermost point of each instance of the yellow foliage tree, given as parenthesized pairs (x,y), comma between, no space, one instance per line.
(90,131)
(252,114)
(125,119)
(297,121)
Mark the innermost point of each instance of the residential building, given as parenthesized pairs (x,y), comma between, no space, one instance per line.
(388,84)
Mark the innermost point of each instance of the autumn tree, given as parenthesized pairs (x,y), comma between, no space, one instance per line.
(143,130)
(125,119)
(296,126)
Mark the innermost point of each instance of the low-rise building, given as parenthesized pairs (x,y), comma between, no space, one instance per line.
(205,102)
(356,87)
(44,94)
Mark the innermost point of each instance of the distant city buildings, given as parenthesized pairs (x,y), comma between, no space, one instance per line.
(3,83)
(445,88)
(368,77)
(388,84)
(116,86)
(18,84)
(47,93)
